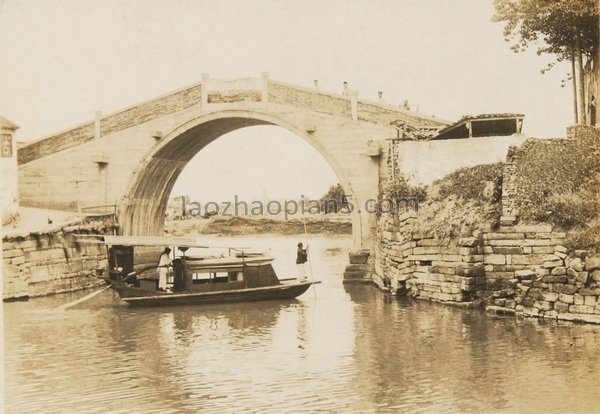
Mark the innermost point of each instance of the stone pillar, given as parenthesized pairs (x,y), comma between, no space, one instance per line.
(8,170)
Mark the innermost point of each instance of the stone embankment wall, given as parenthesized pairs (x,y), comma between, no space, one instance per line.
(520,269)
(529,271)
(38,264)
(417,263)
(517,269)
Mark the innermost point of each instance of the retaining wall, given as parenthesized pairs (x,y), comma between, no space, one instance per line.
(520,269)
(42,263)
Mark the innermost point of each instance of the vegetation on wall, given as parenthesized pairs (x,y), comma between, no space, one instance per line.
(558,182)
(402,194)
(480,183)
(455,206)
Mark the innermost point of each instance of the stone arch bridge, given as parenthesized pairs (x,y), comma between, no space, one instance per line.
(134,156)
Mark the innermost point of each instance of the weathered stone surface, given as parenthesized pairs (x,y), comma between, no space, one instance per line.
(583,277)
(596,275)
(472,258)
(507,250)
(468,241)
(525,274)
(554,279)
(537,228)
(560,255)
(561,307)
(542,249)
(543,305)
(566,289)
(530,311)
(576,264)
(536,242)
(559,271)
(500,275)
(554,263)
(590,300)
(7,254)
(592,263)
(494,259)
(550,296)
(560,249)
(581,309)
(536,294)
(503,236)
(526,259)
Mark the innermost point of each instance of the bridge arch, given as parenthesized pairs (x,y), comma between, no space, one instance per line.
(142,209)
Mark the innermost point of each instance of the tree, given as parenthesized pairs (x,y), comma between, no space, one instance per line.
(568,29)
(334,200)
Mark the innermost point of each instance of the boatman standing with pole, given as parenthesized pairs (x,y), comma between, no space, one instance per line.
(301,259)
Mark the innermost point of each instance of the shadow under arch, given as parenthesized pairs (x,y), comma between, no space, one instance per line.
(141,211)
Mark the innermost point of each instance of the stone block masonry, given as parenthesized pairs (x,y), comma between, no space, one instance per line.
(38,264)
(521,270)
(561,287)
(418,264)
(517,269)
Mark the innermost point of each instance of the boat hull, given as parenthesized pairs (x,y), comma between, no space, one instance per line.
(138,297)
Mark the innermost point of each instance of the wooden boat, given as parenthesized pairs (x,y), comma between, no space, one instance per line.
(239,276)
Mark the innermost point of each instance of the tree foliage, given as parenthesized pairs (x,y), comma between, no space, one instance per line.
(334,200)
(567,29)
(556,23)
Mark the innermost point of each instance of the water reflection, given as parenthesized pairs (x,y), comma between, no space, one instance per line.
(338,348)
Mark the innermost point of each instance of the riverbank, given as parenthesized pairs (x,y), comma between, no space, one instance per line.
(245,225)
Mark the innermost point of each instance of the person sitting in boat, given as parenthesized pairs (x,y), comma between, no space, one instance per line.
(163,268)
(301,259)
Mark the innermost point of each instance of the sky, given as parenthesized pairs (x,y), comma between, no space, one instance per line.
(65,59)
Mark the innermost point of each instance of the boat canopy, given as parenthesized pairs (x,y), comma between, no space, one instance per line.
(144,241)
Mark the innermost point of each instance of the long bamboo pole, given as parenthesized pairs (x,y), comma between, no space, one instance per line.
(574,77)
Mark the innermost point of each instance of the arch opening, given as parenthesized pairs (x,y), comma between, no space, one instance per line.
(142,210)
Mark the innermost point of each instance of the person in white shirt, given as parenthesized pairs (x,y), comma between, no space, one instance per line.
(163,268)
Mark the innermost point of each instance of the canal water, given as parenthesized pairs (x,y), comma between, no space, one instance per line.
(337,348)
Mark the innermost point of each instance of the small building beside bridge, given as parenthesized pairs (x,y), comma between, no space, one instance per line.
(9,192)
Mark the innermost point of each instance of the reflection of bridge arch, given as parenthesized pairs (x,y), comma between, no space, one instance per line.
(142,210)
